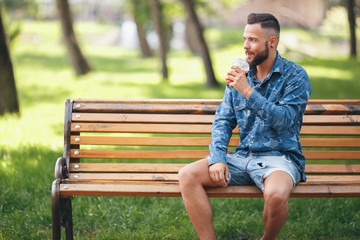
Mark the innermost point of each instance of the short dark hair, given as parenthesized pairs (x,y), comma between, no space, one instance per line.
(266,20)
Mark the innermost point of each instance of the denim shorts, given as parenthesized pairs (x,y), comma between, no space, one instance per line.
(254,168)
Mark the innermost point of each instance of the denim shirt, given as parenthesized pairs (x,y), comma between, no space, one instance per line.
(270,121)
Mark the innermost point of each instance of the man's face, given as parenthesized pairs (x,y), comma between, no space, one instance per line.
(255,45)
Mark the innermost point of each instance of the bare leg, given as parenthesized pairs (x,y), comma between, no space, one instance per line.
(192,179)
(278,187)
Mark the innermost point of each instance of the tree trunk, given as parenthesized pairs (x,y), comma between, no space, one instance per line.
(77,59)
(8,94)
(157,20)
(202,50)
(144,46)
(352,25)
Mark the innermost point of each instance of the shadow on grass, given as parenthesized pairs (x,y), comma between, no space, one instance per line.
(36,94)
(40,60)
(26,175)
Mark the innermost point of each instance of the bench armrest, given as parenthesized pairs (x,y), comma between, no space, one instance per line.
(60,168)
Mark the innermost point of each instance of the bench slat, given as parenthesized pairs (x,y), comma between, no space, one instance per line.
(126,167)
(100,178)
(200,141)
(142,154)
(174,168)
(187,118)
(327,106)
(334,119)
(197,128)
(141,128)
(142,118)
(148,106)
(172,190)
(125,176)
(195,154)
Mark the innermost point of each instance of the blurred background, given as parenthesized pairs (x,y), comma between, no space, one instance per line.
(53,50)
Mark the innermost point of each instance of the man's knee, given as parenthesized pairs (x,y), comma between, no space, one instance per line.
(191,174)
(276,196)
(186,175)
(278,188)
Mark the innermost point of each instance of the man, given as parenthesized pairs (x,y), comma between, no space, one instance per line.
(267,104)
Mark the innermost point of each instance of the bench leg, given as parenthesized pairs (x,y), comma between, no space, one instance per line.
(66,217)
(61,213)
(55,201)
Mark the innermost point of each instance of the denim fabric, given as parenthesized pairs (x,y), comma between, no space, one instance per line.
(270,120)
(253,169)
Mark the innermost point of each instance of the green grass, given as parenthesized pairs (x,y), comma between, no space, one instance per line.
(31,143)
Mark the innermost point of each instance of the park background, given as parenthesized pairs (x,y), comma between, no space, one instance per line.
(315,34)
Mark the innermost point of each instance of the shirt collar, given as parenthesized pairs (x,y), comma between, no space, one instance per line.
(277,68)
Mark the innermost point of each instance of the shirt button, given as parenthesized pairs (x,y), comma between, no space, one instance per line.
(252,142)
(236,107)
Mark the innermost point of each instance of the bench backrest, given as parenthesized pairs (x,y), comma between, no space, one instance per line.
(178,131)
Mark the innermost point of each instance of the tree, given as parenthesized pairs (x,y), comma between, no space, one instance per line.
(352,24)
(140,11)
(8,94)
(158,24)
(77,59)
(196,31)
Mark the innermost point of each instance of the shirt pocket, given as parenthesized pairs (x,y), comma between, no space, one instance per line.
(242,114)
(239,104)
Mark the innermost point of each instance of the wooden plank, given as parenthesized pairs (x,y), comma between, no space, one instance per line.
(188,118)
(333,180)
(196,154)
(330,142)
(332,168)
(200,141)
(198,128)
(209,106)
(175,167)
(150,106)
(141,128)
(124,176)
(331,119)
(147,141)
(111,178)
(140,190)
(332,155)
(330,130)
(126,167)
(329,108)
(172,190)
(139,154)
(142,118)
(203,101)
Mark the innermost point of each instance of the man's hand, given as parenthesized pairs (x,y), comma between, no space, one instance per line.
(219,174)
(236,79)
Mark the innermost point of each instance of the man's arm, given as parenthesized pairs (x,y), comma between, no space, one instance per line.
(224,123)
(282,114)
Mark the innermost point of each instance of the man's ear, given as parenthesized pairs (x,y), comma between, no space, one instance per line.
(273,42)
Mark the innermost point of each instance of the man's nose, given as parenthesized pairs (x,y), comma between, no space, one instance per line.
(246,45)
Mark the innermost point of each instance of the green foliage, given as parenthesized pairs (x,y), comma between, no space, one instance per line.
(12,28)
(30,144)
(28,7)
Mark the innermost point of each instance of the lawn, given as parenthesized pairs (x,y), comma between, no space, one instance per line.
(31,143)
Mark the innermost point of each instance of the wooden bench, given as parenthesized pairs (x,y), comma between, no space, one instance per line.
(136,148)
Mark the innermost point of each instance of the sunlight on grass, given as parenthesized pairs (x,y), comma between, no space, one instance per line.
(331,73)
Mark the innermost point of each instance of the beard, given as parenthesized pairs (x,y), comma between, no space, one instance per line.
(260,57)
